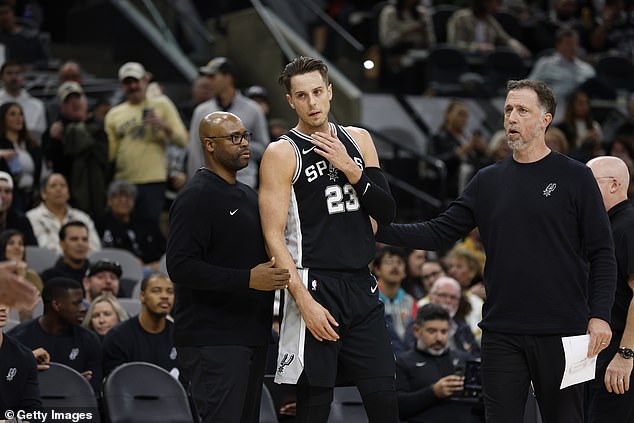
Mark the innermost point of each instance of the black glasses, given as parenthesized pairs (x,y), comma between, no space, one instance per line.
(235,138)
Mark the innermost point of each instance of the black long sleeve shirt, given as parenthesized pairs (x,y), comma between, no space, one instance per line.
(215,238)
(550,256)
(19,389)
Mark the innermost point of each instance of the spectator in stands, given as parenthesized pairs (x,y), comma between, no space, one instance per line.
(258,94)
(21,43)
(464,267)
(563,70)
(498,147)
(12,75)
(69,71)
(104,313)
(20,155)
(9,218)
(147,336)
(431,270)
(221,72)
(400,307)
(402,26)
(19,389)
(462,153)
(201,91)
(556,140)
(73,241)
(102,278)
(76,146)
(12,248)
(426,375)
(58,330)
(446,292)
(139,130)
(119,228)
(626,128)
(613,31)
(476,30)
(54,211)
(582,132)
(562,14)
(413,282)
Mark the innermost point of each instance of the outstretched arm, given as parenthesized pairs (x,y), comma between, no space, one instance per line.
(276,172)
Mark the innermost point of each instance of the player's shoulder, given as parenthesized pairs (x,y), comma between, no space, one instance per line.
(280,148)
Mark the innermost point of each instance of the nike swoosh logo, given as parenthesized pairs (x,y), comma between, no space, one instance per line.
(373,289)
(233,212)
(308,151)
(367,185)
(420,364)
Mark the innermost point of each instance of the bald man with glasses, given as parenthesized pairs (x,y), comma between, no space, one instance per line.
(223,279)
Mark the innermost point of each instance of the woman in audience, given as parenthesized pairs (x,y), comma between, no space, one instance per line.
(54,211)
(12,248)
(583,132)
(20,155)
(462,153)
(104,313)
(556,140)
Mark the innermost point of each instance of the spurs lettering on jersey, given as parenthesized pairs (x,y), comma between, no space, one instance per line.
(339,199)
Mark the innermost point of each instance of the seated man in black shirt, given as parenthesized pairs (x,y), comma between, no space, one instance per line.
(119,228)
(19,388)
(73,239)
(425,376)
(58,330)
(147,336)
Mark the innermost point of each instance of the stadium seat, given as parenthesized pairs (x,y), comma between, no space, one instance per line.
(131,305)
(616,71)
(268,413)
(37,311)
(347,406)
(444,69)
(144,392)
(500,66)
(63,388)
(40,258)
(440,16)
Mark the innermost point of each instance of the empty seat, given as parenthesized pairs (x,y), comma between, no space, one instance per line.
(440,16)
(131,305)
(444,69)
(616,71)
(63,388)
(500,66)
(144,392)
(40,258)
(347,406)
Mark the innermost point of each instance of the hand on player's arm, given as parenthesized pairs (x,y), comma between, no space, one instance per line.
(617,375)
(267,277)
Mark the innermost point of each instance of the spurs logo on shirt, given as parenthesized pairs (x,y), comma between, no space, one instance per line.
(73,353)
(11,374)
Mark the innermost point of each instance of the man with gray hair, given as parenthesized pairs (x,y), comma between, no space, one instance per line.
(549,249)
(611,397)
(120,228)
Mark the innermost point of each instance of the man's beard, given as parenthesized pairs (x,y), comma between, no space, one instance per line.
(432,351)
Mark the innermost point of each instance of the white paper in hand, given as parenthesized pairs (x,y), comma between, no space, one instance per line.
(579,368)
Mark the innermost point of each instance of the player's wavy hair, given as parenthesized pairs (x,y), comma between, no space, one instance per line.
(545,95)
(299,66)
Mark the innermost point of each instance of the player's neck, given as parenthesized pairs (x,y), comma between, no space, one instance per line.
(532,154)
(307,129)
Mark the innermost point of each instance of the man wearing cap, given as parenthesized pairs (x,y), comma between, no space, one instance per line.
(221,72)
(12,75)
(102,278)
(76,146)
(9,218)
(138,131)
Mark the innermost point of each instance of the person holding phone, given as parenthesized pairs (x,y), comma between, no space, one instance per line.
(426,376)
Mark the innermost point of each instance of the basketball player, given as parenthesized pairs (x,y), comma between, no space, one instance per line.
(319,186)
